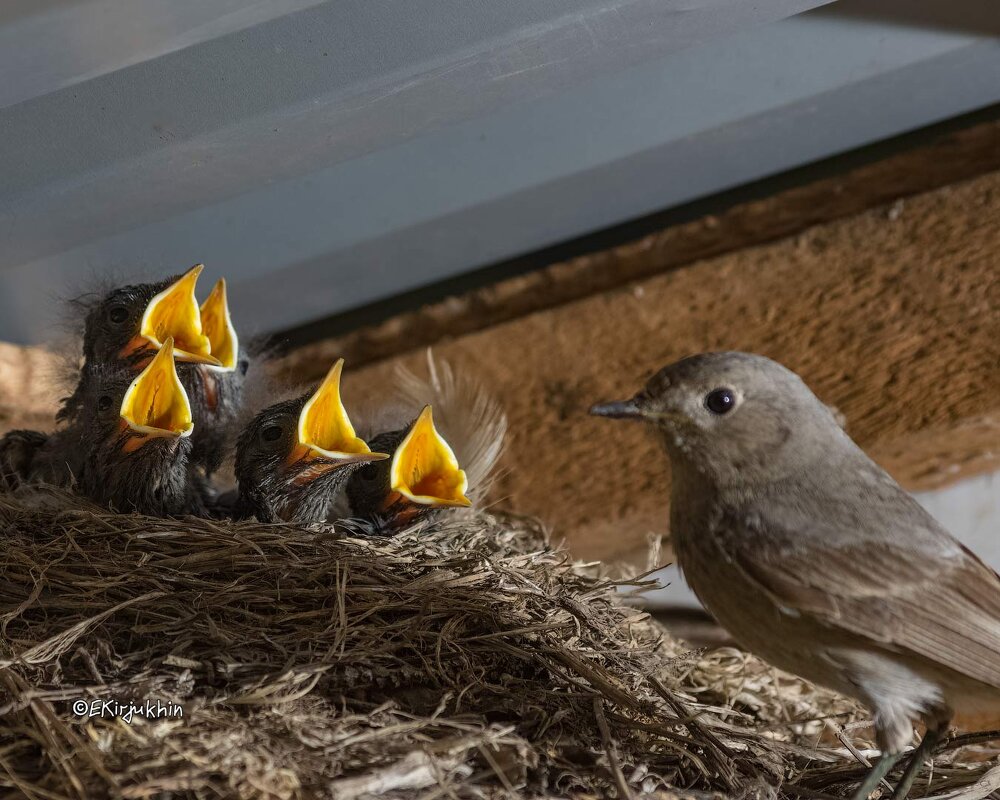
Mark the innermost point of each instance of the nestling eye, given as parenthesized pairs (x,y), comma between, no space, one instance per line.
(720,401)
(271,433)
(118,314)
(104,402)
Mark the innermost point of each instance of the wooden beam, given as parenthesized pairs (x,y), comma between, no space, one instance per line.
(30,382)
(783,207)
(893,316)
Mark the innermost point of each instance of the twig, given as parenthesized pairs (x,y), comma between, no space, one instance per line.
(624,793)
(984,787)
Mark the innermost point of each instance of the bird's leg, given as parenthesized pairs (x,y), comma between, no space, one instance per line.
(931,737)
(879,771)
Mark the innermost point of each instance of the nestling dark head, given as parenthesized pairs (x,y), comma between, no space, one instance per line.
(422,478)
(136,436)
(131,410)
(294,457)
(131,322)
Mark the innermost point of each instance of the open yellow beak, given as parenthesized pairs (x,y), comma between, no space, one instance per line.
(174,313)
(424,468)
(325,430)
(218,327)
(155,404)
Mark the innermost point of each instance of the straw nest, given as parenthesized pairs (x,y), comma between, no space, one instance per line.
(466,658)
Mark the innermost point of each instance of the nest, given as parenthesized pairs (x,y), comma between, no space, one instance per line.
(462,658)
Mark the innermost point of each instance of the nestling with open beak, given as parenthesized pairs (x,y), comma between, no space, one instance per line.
(138,441)
(814,558)
(294,458)
(129,325)
(424,474)
(128,448)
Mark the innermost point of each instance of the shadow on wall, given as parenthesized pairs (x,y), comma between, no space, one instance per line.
(964,16)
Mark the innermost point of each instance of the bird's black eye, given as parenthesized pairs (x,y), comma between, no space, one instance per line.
(271,433)
(118,314)
(104,402)
(720,401)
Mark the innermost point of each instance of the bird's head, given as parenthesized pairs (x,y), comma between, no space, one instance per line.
(135,424)
(295,456)
(422,475)
(131,323)
(735,417)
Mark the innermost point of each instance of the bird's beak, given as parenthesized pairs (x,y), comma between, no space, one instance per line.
(155,404)
(325,432)
(174,313)
(425,470)
(217,325)
(620,409)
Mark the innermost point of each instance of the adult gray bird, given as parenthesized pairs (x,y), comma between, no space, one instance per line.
(294,458)
(813,557)
(125,327)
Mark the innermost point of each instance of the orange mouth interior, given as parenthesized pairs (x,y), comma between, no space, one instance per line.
(325,430)
(218,327)
(424,467)
(174,314)
(156,404)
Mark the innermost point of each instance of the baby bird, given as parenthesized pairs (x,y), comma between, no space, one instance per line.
(139,442)
(424,474)
(126,328)
(294,458)
(128,448)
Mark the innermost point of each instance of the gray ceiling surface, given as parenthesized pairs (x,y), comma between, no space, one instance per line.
(326,155)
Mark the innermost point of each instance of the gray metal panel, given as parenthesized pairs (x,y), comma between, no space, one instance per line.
(432,148)
(47,45)
(304,92)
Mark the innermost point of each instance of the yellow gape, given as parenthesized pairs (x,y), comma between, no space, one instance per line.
(174,313)
(425,469)
(325,430)
(156,404)
(218,327)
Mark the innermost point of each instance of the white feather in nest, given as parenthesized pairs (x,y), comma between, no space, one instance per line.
(469,417)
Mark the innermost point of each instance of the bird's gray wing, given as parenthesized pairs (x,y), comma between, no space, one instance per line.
(917,590)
